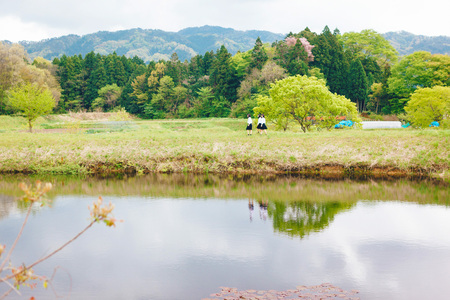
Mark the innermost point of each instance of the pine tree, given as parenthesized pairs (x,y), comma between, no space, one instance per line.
(223,79)
(259,55)
(208,59)
(357,84)
(330,59)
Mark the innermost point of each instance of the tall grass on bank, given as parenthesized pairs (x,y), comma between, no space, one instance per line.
(218,146)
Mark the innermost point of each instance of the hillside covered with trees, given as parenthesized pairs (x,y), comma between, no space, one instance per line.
(407,43)
(150,45)
(158,45)
(360,67)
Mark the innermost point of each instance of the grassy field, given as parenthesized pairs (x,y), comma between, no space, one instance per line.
(107,143)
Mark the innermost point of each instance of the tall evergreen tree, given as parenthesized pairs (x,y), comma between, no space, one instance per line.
(223,79)
(357,84)
(196,68)
(259,55)
(173,69)
(89,66)
(208,59)
(329,58)
(120,75)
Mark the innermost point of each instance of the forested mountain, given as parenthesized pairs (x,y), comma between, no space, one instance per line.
(407,43)
(150,45)
(154,45)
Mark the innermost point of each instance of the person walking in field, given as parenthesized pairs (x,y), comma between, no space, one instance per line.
(263,124)
(259,124)
(249,125)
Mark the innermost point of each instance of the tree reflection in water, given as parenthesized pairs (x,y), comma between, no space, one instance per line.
(302,218)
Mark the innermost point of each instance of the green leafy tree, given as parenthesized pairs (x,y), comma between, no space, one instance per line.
(369,43)
(220,107)
(317,73)
(140,88)
(378,99)
(241,62)
(156,75)
(376,94)
(15,69)
(180,96)
(258,81)
(243,107)
(207,105)
(174,69)
(12,59)
(163,100)
(31,101)
(428,105)
(108,96)
(277,115)
(418,70)
(43,73)
(196,68)
(203,101)
(306,100)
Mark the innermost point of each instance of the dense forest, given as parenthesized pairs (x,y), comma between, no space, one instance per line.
(363,67)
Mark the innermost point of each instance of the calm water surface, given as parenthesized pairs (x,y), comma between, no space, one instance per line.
(184,237)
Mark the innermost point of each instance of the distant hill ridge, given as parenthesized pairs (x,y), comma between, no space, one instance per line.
(407,43)
(150,44)
(154,44)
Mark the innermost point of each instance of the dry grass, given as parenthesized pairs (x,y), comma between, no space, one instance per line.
(82,116)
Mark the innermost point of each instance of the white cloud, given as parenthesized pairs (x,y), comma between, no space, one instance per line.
(35,20)
(12,28)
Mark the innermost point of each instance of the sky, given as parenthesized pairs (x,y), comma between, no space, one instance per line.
(34,20)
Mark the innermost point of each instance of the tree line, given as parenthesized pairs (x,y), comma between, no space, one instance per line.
(362,66)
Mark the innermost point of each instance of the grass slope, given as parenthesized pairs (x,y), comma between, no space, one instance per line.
(68,145)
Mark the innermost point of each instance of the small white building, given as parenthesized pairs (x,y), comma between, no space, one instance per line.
(381,124)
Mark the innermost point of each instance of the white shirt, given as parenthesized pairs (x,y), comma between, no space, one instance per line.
(263,120)
(259,120)
(249,120)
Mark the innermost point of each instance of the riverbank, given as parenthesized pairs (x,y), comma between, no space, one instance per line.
(218,146)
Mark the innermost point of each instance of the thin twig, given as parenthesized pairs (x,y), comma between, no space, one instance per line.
(12,288)
(17,239)
(51,254)
(6,293)
(62,247)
